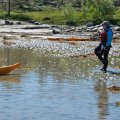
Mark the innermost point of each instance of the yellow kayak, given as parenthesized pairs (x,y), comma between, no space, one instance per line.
(7,69)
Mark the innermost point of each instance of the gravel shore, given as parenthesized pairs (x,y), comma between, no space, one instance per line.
(35,37)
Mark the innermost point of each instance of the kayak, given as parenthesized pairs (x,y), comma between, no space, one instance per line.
(69,39)
(7,69)
(76,39)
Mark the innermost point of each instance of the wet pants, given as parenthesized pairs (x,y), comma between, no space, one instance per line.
(102,54)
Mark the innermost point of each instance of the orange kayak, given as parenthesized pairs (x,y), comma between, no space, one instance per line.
(69,39)
(7,69)
(77,39)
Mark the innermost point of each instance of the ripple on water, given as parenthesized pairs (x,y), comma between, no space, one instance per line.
(57,86)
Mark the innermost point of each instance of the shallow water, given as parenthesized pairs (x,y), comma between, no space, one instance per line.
(48,87)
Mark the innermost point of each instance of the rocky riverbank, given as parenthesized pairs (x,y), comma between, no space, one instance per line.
(34,35)
(33,27)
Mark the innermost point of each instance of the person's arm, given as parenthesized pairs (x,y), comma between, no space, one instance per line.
(109,38)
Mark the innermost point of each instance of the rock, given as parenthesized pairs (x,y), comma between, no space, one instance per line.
(68,30)
(116,36)
(90,24)
(83,27)
(117,103)
(117,28)
(7,22)
(114,89)
(77,5)
(90,29)
(95,30)
(46,18)
(55,26)
(78,29)
(31,21)
(37,23)
(56,31)
(94,37)
(11,23)
(18,23)
(37,27)
(97,26)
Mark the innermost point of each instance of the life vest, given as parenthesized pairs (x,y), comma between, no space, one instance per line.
(103,36)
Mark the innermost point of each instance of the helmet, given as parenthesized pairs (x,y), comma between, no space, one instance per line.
(106,23)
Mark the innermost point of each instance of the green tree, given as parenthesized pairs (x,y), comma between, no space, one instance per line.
(68,14)
(97,10)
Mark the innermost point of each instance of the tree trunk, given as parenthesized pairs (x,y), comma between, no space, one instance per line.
(9,8)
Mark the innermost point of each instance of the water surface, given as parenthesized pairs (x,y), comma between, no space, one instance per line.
(48,87)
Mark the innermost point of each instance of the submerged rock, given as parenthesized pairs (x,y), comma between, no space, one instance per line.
(114,89)
(117,103)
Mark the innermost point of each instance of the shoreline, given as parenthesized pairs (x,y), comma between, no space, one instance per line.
(35,36)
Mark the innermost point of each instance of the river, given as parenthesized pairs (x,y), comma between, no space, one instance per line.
(48,87)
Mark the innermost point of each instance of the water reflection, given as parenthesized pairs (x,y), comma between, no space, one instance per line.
(6,55)
(10,78)
(101,89)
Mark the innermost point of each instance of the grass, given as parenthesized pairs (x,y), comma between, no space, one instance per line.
(56,16)
(116,16)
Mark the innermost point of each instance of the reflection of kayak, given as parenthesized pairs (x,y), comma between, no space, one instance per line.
(69,39)
(10,78)
(7,69)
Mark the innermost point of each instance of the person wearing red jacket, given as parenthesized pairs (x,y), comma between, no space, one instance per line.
(103,49)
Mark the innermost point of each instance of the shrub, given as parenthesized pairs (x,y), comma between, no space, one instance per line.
(68,13)
(98,10)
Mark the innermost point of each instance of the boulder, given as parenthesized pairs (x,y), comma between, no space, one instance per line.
(7,22)
(94,29)
(78,29)
(90,29)
(56,31)
(117,28)
(90,24)
(18,23)
(116,36)
(11,23)
(31,21)
(97,26)
(37,23)
(46,18)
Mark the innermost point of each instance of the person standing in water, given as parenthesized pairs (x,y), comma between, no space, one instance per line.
(103,49)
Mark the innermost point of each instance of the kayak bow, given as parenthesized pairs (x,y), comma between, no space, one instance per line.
(7,69)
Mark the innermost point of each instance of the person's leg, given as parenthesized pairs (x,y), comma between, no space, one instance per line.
(106,52)
(99,53)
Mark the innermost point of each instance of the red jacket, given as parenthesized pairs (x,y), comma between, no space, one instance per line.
(103,36)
